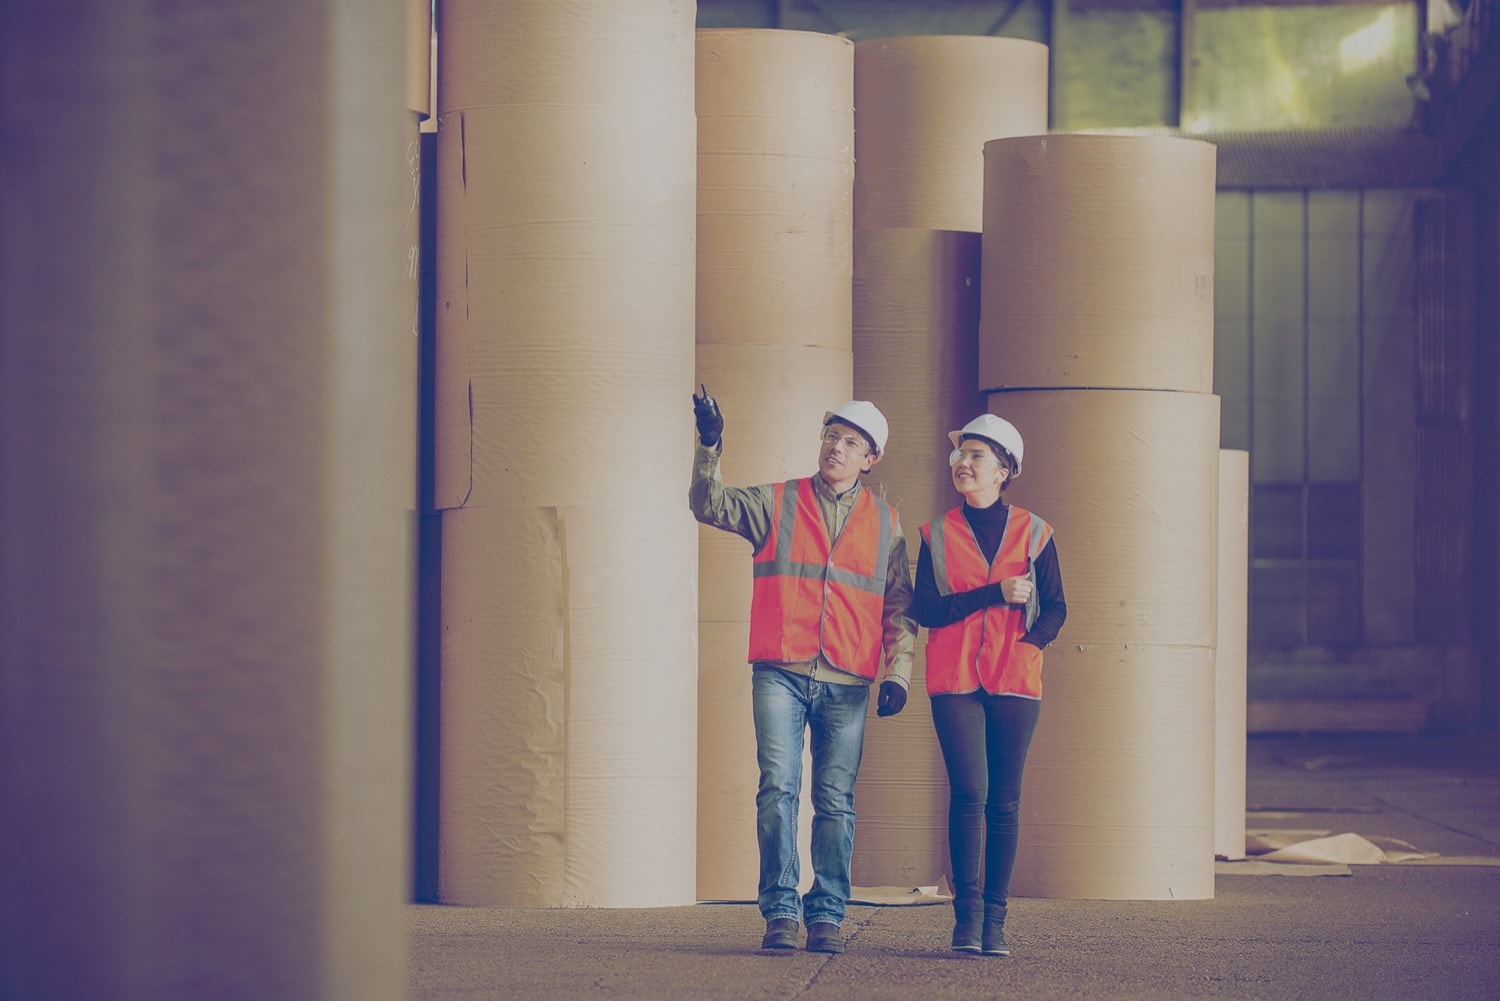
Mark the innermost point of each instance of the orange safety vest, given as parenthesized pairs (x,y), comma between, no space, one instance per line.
(812,594)
(983,650)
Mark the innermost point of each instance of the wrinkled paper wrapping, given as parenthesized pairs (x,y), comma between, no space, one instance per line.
(925,105)
(775,169)
(566,146)
(1098,263)
(1118,800)
(1230,670)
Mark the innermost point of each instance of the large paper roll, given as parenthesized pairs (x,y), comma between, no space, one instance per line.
(925,105)
(566,152)
(1117,801)
(1128,479)
(1230,670)
(1118,798)
(775,176)
(1098,263)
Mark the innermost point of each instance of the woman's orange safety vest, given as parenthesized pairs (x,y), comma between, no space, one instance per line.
(984,650)
(814,595)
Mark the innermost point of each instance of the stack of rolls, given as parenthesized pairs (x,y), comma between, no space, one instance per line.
(1096,341)
(924,107)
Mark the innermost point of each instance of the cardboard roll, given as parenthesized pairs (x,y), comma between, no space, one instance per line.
(1098,263)
(925,105)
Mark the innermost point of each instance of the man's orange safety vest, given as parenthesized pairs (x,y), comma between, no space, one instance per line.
(983,650)
(812,594)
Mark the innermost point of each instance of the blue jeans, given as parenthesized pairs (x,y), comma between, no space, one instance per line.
(786,705)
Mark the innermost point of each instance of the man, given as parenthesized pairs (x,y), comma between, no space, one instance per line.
(828,612)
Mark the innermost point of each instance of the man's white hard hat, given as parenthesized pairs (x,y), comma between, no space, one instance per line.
(862,415)
(996,430)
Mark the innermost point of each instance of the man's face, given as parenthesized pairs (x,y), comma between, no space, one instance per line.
(844,455)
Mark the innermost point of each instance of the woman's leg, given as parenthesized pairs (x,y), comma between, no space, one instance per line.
(1010,722)
(960,724)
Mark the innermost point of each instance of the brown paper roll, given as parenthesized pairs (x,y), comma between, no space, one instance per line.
(566,150)
(925,105)
(775,170)
(569,715)
(1117,801)
(1098,263)
(419,57)
(1127,479)
(1230,671)
(775,159)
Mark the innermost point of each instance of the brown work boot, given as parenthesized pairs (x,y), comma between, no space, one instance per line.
(781,933)
(824,936)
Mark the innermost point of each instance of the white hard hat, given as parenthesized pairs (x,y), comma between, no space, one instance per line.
(862,415)
(992,429)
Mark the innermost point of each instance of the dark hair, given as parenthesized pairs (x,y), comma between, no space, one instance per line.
(1001,455)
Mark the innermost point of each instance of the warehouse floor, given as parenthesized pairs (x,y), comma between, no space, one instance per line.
(1427,928)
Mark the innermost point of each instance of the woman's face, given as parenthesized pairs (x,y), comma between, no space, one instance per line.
(978,474)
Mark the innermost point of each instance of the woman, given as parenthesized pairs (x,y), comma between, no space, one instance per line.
(990,593)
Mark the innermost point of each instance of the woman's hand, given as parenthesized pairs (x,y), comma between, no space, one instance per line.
(1017,590)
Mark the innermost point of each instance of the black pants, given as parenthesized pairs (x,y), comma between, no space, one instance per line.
(984,740)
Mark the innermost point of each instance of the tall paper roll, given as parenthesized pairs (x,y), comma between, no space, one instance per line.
(1098,263)
(1230,669)
(1118,794)
(925,106)
(566,142)
(775,165)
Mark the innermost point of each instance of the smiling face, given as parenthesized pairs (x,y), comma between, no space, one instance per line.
(844,455)
(978,473)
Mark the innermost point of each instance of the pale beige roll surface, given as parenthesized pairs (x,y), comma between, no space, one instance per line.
(1230,669)
(1098,263)
(566,150)
(901,798)
(1117,799)
(916,310)
(568,774)
(1127,479)
(616,53)
(775,175)
(419,57)
(925,105)
(916,313)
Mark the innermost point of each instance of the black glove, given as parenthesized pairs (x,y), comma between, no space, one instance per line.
(892,699)
(710,421)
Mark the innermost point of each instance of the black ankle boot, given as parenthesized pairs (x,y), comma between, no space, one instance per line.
(994,931)
(968,921)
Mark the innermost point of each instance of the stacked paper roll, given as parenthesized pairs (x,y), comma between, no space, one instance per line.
(1098,263)
(775,168)
(924,107)
(1096,330)
(1230,670)
(565,348)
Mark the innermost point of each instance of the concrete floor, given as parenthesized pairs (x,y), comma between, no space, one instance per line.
(1409,930)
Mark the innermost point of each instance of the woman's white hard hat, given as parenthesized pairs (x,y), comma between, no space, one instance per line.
(862,415)
(993,429)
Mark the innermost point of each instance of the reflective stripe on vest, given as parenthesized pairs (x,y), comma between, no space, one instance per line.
(983,650)
(815,595)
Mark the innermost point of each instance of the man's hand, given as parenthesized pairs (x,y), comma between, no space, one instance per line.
(710,420)
(892,699)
